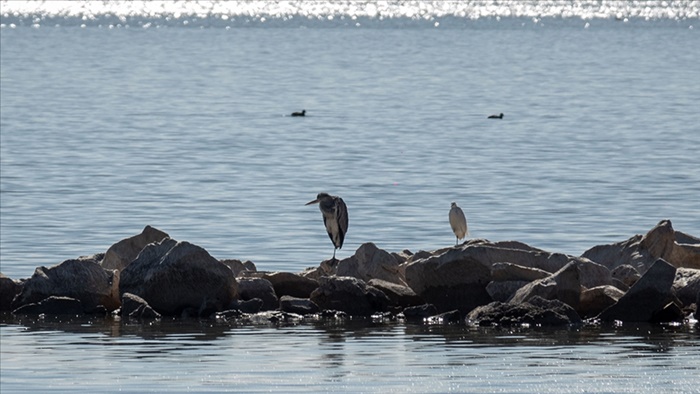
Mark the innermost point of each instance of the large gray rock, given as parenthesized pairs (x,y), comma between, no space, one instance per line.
(9,288)
(350,295)
(178,277)
(597,299)
(295,285)
(648,297)
(626,274)
(122,253)
(300,306)
(686,285)
(537,311)
(661,242)
(501,272)
(504,291)
(82,279)
(564,285)
(399,295)
(249,288)
(370,262)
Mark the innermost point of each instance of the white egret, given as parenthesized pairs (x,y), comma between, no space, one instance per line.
(458,222)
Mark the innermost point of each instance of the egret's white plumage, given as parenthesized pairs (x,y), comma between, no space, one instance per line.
(335,217)
(458,222)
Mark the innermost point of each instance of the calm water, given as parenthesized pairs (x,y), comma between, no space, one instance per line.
(181,123)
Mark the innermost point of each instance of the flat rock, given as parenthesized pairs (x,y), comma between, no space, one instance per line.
(82,279)
(650,295)
(249,288)
(350,295)
(537,311)
(501,272)
(419,312)
(290,284)
(52,305)
(300,306)
(399,295)
(178,277)
(119,255)
(564,285)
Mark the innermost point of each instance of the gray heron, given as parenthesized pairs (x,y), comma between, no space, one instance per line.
(458,222)
(499,116)
(302,113)
(335,217)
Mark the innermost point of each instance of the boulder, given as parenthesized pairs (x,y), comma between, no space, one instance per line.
(501,272)
(686,285)
(626,274)
(83,279)
(455,279)
(239,267)
(350,295)
(9,288)
(597,299)
(537,311)
(419,312)
(564,285)
(370,262)
(661,242)
(52,305)
(253,305)
(295,285)
(399,295)
(300,306)
(503,291)
(174,277)
(122,253)
(249,288)
(446,317)
(647,297)
(136,307)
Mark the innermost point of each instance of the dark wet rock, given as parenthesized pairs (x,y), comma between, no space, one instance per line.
(686,285)
(563,285)
(253,305)
(370,262)
(52,305)
(661,242)
(174,277)
(239,267)
(501,272)
(597,299)
(650,295)
(399,295)
(300,306)
(671,312)
(626,274)
(9,288)
(295,285)
(537,311)
(446,317)
(249,288)
(618,284)
(136,307)
(350,295)
(122,253)
(419,312)
(82,279)
(697,306)
(504,291)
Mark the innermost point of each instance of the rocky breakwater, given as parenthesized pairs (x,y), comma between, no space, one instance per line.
(649,278)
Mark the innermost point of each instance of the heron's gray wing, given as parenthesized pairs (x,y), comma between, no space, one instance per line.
(342,215)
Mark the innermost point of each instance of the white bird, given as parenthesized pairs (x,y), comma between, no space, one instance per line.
(335,217)
(458,222)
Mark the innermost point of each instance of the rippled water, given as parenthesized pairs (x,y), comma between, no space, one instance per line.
(112,122)
(354,357)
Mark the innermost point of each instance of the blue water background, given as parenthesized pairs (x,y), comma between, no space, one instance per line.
(135,120)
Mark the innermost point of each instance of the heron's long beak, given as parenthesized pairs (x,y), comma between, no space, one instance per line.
(312,202)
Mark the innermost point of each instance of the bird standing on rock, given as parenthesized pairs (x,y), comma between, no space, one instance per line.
(458,222)
(335,217)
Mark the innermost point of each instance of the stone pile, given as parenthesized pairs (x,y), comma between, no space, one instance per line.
(649,278)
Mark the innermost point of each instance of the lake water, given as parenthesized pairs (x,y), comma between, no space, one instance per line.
(110,122)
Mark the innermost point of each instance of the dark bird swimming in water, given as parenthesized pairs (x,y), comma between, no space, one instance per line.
(335,217)
(302,113)
(499,116)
